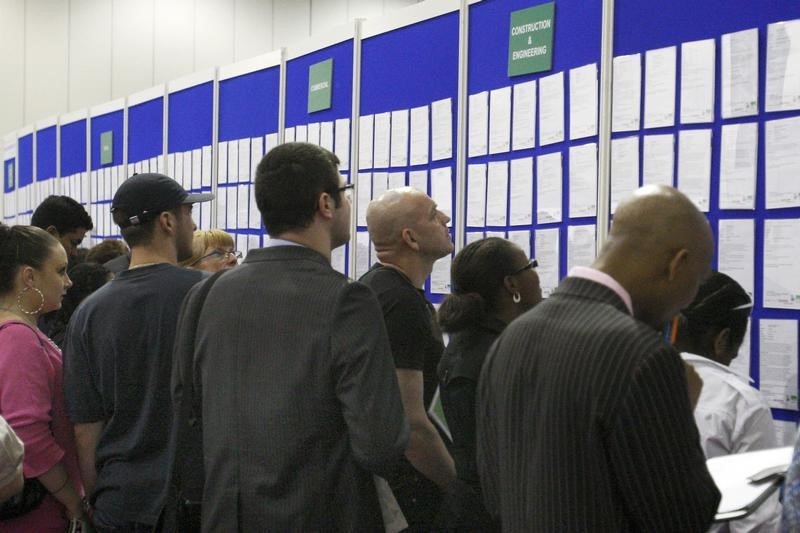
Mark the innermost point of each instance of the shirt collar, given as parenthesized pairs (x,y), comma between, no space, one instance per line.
(280,242)
(592,274)
(699,359)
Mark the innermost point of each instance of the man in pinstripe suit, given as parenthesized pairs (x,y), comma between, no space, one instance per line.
(584,413)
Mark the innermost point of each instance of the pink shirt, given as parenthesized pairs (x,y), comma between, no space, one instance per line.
(32,402)
(592,274)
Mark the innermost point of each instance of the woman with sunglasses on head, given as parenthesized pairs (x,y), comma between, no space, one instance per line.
(493,282)
(212,251)
(33,280)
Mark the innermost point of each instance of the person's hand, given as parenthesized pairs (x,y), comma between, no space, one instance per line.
(694,383)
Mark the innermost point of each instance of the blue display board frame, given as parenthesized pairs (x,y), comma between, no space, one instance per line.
(46,153)
(73,147)
(146,130)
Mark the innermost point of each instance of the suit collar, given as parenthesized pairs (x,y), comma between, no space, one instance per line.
(586,288)
(285,253)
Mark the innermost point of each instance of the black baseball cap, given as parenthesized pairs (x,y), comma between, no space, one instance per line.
(143,197)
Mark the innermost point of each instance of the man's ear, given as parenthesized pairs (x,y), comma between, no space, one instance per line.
(53,231)
(326,205)
(408,237)
(677,263)
(166,221)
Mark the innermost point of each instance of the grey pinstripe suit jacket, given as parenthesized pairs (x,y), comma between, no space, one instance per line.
(584,422)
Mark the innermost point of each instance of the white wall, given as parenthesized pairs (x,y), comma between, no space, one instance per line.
(60,55)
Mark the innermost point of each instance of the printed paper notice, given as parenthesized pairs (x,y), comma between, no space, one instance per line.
(478,124)
(694,166)
(626,93)
(624,169)
(440,276)
(551,109)
(740,73)
(476,195)
(419,135)
(737,167)
(341,142)
(365,130)
(783,66)
(521,192)
(381,140)
(736,250)
(782,263)
(442,190)
(659,87)
(546,250)
(580,246)
(364,197)
(521,239)
(523,129)
(658,161)
(697,81)
(548,188)
(497,193)
(778,357)
(782,154)
(583,180)
(399,148)
(583,101)
(500,120)
(442,129)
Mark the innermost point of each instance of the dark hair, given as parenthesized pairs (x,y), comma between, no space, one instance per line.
(720,303)
(63,213)
(19,246)
(86,278)
(477,275)
(289,180)
(139,234)
(106,251)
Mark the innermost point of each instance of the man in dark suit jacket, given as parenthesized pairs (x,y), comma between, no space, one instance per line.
(584,413)
(300,403)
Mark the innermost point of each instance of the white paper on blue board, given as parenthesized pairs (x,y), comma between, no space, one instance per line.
(382,140)
(781,263)
(658,159)
(521,192)
(659,87)
(476,195)
(205,166)
(785,432)
(500,120)
(442,190)
(270,142)
(399,142)
(523,127)
(737,166)
(418,179)
(440,276)
(583,101)
(740,73)
(232,208)
(741,363)
(338,258)
(380,184)
(478,124)
(244,160)
(397,180)
(548,188)
(473,236)
(233,161)
(177,174)
(364,196)
(326,135)
(547,255)
(196,168)
(782,154)
(342,142)
(694,166)
(221,200)
(697,81)
(222,162)
(442,129)
(783,66)
(624,169)
(301,133)
(551,109)
(778,362)
(521,238)
(497,234)
(243,206)
(496,193)
(256,154)
(289,135)
(170,170)
(253,243)
(580,246)
(365,138)
(626,93)
(206,221)
(160,164)
(313,133)
(362,254)
(736,251)
(255,214)
(420,133)
(583,180)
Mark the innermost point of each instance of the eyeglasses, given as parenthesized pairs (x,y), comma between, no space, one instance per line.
(346,189)
(532,264)
(220,254)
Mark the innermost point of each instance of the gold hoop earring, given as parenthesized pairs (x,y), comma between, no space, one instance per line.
(517,297)
(21,293)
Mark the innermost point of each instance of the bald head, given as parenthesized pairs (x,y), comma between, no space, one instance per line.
(660,248)
(395,210)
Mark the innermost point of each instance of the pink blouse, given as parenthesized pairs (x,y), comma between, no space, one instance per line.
(32,402)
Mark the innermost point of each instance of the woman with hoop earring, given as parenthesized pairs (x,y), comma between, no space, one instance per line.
(33,280)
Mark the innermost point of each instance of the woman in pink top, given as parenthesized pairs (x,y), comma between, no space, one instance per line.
(33,279)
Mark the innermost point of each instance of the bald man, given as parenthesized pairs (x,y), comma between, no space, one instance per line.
(584,414)
(409,234)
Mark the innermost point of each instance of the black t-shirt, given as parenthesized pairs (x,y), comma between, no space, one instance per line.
(410,321)
(117,369)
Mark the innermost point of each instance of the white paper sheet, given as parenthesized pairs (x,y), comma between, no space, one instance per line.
(546,250)
(782,154)
(778,358)
(583,180)
(341,142)
(207,169)
(233,161)
(521,192)
(737,167)
(419,135)
(785,432)
(580,245)
(442,190)
(548,188)
(783,66)
(473,236)
(440,276)
(338,256)
(781,263)
(740,73)
(243,206)
(365,138)
(382,140)
(741,363)
(624,169)
(244,160)
(497,193)
(196,169)
(658,159)
(380,184)
(326,135)
(255,214)
(583,101)
(270,141)
(626,93)
(659,87)
(418,179)
(364,196)
(736,251)
(301,133)
(478,124)
(221,200)
(362,254)
(397,180)
(697,81)
(694,166)
(523,129)
(256,155)
(253,243)
(500,120)
(232,211)
(313,133)
(476,195)
(289,135)
(399,146)
(522,239)
(551,109)
(442,129)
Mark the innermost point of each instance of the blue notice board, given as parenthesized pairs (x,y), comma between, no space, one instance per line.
(146,130)
(46,155)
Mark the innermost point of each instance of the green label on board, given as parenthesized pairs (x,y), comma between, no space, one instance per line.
(106,147)
(530,40)
(320,78)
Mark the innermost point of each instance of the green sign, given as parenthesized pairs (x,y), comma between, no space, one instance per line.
(530,40)
(10,175)
(106,147)
(320,78)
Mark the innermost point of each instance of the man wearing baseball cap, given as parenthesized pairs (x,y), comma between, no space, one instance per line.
(117,359)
